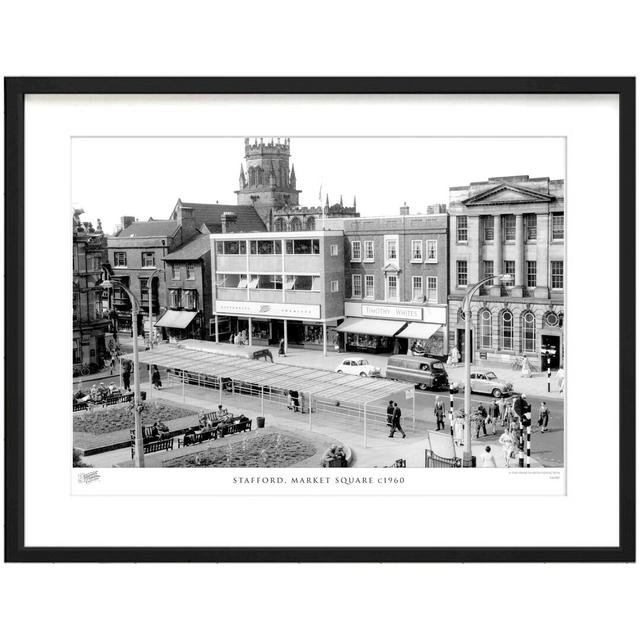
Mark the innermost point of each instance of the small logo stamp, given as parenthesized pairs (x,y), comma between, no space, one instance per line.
(88,477)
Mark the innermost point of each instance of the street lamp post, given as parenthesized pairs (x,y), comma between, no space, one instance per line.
(135,307)
(466,306)
(150,290)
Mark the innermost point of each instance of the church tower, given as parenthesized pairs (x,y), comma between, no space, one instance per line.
(267,183)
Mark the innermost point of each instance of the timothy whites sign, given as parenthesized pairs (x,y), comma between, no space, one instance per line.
(400,313)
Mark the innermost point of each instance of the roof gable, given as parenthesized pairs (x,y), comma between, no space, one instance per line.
(504,193)
(247,218)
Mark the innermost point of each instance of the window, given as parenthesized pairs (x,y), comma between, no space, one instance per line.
(484,320)
(487,228)
(356,251)
(510,270)
(191,271)
(333,250)
(296,225)
(265,247)
(392,287)
(266,281)
(528,331)
(506,331)
(175,298)
(416,288)
(76,305)
(335,287)
(310,224)
(461,273)
(368,287)
(280,224)
(558,226)
(487,270)
(432,251)
(303,247)
(509,228)
(461,229)
(557,274)
(231,280)
(144,291)
(119,259)
(302,283)
(532,271)
(391,249)
(94,263)
(175,272)
(148,259)
(231,247)
(356,285)
(190,297)
(432,289)
(530,226)
(416,251)
(368,251)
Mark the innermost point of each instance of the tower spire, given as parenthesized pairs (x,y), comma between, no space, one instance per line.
(243,180)
(292,179)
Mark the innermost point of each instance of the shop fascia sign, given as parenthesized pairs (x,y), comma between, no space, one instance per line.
(268,309)
(395,313)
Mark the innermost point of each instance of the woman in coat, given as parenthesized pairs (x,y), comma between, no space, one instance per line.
(155,377)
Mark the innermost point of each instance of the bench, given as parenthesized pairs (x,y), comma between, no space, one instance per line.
(197,438)
(155,446)
(238,424)
(81,406)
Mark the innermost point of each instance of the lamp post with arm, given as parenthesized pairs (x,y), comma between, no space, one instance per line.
(150,290)
(468,347)
(135,308)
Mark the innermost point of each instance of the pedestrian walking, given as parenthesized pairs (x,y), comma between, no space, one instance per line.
(560,379)
(155,377)
(481,418)
(390,415)
(236,339)
(494,416)
(395,421)
(487,458)
(525,372)
(508,445)
(455,356)
(543,417)
(281,348)
(232,337)
(126,375)
(458,429)
(438,412)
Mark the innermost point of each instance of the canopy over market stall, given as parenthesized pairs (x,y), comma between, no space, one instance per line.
(317,383)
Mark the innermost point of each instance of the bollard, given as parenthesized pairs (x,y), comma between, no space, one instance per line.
(529,445)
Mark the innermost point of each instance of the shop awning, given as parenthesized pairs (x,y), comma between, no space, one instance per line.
(387,328)
(176,319)
(419,330)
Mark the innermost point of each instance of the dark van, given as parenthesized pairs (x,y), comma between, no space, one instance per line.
(425,373)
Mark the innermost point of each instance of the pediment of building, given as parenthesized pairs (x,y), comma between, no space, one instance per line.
(507,194)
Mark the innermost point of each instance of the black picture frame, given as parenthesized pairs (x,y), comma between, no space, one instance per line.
(15,91)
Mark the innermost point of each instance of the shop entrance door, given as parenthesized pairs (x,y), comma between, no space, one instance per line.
(551,343)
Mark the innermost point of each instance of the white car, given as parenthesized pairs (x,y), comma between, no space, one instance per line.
(357,367)
(485,381)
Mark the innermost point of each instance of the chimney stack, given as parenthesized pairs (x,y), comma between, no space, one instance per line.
(126,221)
(228,219)
(404,210)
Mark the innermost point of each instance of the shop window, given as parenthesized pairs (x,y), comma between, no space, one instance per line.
(416,288)
(506,331)
(432,251)
(368,251)
(432,289)
(461,229)
(528,331)
(356,285)
(484,320)
(369,291)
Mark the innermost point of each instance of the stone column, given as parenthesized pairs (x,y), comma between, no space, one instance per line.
(496,289)
(542,257)
(516,292)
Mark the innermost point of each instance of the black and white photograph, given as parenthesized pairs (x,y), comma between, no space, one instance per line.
(318,302)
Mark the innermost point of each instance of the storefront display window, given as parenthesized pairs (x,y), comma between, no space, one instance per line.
(370,344)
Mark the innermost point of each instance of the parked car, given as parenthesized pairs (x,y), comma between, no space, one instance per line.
(486,381)
(357,367)
(425,373)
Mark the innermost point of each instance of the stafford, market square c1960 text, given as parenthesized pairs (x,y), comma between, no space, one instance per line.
(348,480)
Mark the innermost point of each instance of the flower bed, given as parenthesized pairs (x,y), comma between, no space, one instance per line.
(264,450)
(118,417)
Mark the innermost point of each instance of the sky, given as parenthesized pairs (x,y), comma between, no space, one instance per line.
(144,177)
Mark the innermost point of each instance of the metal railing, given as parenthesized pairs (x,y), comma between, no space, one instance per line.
(434,461)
